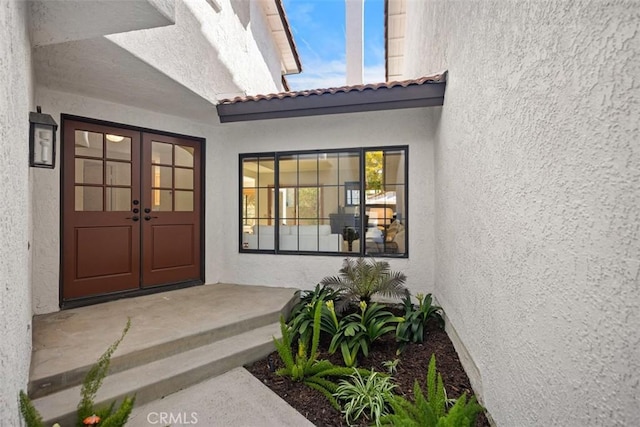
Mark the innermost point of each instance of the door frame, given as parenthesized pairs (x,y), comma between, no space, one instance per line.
(95,299)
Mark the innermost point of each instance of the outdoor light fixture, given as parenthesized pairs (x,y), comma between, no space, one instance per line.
(42,140)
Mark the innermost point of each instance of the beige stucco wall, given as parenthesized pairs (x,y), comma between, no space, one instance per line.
(537,192)
(15,305)
(399,127)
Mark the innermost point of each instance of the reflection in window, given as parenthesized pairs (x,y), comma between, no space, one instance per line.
(323,202)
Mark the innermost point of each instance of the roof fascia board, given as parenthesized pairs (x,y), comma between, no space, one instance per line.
(426,95)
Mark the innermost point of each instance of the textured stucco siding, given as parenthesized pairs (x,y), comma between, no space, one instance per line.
(212,53)
(537,188)
(223,262)
(15,306)
(400,127)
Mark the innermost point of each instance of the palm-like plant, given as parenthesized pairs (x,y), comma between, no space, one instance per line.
(361,278)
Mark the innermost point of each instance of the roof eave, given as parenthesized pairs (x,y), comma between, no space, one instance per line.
(426,95)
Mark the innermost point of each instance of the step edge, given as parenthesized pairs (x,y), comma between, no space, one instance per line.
(237,358)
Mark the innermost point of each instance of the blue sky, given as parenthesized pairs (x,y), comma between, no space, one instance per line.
(318,28)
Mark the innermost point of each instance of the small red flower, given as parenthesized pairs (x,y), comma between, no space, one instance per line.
(92,420)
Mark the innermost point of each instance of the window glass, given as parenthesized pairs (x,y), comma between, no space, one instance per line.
(288,166)
(118,199)
(325,202)
(118,147)
(161,153)
(88,198)
(88,144)
(88,171)
(308,169)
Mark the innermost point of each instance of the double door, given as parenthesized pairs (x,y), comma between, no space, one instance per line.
(131,210)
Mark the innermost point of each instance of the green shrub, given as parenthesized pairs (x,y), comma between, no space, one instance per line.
(362,278)
(305,366)
(431,411)
(412,329)
(301,319)
(367,396)
(90,386)
(357,331)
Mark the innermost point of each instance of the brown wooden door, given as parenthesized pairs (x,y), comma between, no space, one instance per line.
(171,207)
(131,210)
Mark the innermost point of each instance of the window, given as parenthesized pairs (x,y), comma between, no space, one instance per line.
(351,201)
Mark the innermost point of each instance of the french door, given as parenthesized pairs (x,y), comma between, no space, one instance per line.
(131,210)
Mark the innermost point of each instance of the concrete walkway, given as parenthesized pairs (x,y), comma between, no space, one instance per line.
(234,399)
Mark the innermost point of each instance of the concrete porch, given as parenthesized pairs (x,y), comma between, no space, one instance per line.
(177,339)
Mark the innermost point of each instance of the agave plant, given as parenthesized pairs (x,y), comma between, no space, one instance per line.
(361,278)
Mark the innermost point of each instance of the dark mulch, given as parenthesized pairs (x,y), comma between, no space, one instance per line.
(413,364)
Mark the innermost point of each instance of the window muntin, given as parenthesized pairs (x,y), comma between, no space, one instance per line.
(312,201)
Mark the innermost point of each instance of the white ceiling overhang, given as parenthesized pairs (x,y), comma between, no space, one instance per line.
(73,52)
(52,22)
(99,68)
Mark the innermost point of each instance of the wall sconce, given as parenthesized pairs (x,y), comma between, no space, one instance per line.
(42,140)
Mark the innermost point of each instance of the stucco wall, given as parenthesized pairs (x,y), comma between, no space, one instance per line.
(46,187)
(214,54)
(537,195)
(404,127)
(15,307)
(223,262)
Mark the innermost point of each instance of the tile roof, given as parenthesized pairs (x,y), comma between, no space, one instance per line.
(436,78)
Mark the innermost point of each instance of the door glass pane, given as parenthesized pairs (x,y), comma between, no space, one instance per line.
(184,201)
(161,176)
(88,171)
(161,153)
(161,200)
(184,156)
(184,178)
(88,198)
(118,173)
(118,147)
(88,143)
(118,199)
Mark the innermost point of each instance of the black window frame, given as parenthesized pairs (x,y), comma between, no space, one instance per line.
(361,151)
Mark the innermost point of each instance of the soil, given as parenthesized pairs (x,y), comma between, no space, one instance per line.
(413,364)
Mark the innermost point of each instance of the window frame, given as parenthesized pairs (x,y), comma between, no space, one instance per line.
(348,185)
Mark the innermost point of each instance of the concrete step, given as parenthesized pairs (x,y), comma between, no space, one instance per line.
(134,351)
(159,378)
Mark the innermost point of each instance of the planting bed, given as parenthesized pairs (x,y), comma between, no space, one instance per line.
(413,365)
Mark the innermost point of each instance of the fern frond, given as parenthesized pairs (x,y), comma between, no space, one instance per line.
(29,412)
(94,378)
(326,394)
(121,415)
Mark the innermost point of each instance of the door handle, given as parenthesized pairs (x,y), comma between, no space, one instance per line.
(134,218)
(148,217)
